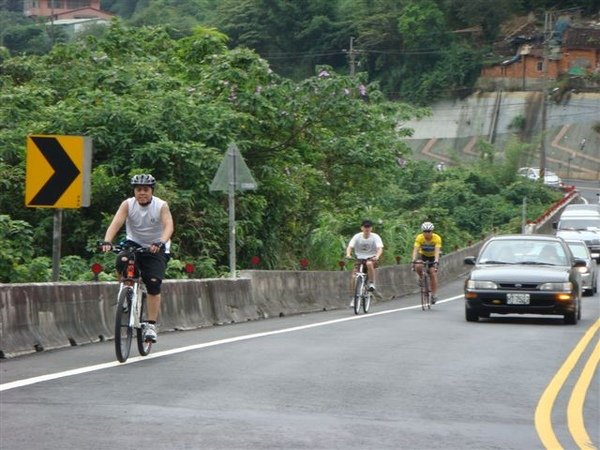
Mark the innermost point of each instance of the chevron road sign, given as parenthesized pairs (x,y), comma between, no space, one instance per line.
(58,171)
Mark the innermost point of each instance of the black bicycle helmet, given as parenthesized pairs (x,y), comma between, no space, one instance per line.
(143,179)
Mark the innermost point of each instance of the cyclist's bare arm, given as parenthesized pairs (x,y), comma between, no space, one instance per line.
(167,223)
(116,224)
(378,254)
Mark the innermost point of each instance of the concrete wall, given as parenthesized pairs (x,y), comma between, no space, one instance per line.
(43,316)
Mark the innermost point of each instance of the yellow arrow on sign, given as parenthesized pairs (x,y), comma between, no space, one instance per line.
(58,171)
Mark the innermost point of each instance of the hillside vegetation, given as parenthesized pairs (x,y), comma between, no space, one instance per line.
(323,150)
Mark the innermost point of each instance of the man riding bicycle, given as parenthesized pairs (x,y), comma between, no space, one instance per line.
(149,224)
(426,250)
(369,246)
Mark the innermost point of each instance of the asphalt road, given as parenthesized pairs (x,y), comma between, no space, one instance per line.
(589,190)
(397,378)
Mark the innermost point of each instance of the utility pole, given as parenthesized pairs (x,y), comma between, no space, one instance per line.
(546,49)
(351,57)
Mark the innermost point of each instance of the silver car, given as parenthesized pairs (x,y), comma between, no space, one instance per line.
(589,273)
(533,173)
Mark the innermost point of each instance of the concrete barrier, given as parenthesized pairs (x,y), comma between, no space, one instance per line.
(43,316)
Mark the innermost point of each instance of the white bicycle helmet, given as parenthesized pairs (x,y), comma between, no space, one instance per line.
(143,179)
(427,226)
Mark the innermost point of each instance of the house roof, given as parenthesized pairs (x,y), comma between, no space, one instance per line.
(87,11)
(582,38)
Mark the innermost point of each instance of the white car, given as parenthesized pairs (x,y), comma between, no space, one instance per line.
(533,173)
(589,273)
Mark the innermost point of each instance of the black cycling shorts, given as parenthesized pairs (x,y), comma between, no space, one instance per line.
(152,265)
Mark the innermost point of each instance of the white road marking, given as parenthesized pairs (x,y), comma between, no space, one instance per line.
(96,367)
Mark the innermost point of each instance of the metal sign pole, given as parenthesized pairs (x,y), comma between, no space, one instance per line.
(56,241)
(233,173)
(231,195)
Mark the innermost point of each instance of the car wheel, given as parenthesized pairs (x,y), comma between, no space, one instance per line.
(571,318)
(472,315)
(579,310)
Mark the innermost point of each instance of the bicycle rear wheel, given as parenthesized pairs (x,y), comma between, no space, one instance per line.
(144,347)
(358,293)
(123,332)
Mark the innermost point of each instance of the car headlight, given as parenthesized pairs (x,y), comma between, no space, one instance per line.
(563,287)
(582,270)
(476,284)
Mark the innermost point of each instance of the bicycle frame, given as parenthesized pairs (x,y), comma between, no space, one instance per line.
(130,307)
(425,283)
(362,295)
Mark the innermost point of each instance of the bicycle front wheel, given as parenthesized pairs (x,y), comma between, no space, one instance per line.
(123,332)
(367,301)
(358,293)
(144,346)
(424,292)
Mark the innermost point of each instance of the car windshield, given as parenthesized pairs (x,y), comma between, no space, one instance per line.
(503,251)
(579,224)
(579,250)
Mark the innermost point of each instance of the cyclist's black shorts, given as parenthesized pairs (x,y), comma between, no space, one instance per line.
(429,259)
(152,265)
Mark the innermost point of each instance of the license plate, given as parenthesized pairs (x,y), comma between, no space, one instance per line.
(517,299)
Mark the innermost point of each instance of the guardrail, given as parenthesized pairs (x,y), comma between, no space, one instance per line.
(543,223)
(43,316)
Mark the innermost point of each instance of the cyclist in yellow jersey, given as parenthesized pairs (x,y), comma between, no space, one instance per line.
(427,247)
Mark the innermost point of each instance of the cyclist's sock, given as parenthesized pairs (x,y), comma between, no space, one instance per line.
(153,322)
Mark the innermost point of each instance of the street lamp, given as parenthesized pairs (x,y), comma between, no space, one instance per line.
(571,156)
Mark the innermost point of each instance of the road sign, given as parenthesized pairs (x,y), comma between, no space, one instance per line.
(58,171)
(233,173)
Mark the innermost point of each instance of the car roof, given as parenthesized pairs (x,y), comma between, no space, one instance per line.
(593,208)
(576,241)
(580,214)
(527,237)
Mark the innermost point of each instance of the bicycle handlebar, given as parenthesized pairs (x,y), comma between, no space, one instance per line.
(117,248)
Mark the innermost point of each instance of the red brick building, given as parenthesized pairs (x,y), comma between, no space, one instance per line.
(65,9)
(577,53)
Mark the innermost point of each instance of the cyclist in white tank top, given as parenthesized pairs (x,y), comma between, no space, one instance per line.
(148,223)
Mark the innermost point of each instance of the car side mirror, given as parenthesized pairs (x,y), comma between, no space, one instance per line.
(470,260)
(579,262)
(555,225)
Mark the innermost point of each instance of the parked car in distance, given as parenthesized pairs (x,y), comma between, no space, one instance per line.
(589,273)
(524,274)
(533,173)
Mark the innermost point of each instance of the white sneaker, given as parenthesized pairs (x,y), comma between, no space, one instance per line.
(352,303)
(150,332)
(371,287)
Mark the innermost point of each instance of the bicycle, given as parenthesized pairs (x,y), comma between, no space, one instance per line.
(131,306)
(425,283)
(362,295)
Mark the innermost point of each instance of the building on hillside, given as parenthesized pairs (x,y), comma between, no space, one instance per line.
(571,51)
(65,9)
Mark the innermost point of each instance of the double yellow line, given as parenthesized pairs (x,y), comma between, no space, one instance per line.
(575,421)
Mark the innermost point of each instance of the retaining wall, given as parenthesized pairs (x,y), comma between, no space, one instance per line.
(43,316)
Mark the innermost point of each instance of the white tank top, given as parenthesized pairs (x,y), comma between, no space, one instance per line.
(143,224)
